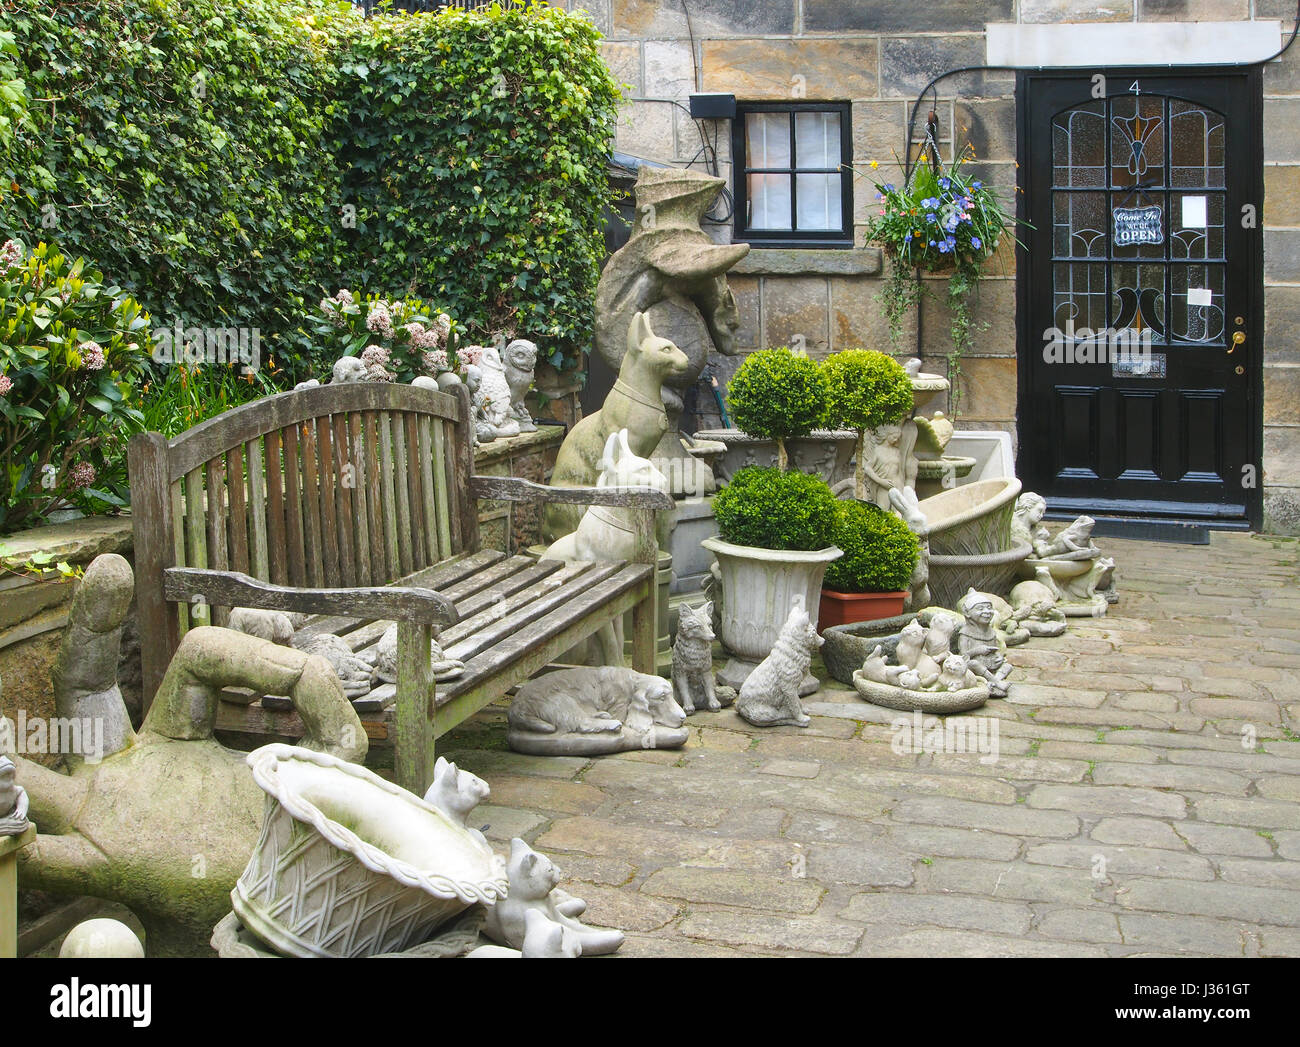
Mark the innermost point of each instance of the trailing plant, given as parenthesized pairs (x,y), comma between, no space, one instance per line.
(72,347)
(396,339)
(773,509)
(865,389)
(776,395)
(880,553)
(941,221)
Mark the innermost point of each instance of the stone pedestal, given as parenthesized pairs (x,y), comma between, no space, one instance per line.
(692,523)
(512,526)
(9,848)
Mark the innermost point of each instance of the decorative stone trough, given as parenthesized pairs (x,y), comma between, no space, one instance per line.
(827,453)
(847,646)
(351,865)
(970,540)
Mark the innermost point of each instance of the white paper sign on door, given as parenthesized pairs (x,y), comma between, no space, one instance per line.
(1194,216)
(1200,296)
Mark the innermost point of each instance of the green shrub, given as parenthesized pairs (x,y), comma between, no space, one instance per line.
(880,552)
(777,394)
(865,389)
(72,348)
(772,509)
(231,162)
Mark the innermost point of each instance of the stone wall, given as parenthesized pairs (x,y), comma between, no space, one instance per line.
(878,54)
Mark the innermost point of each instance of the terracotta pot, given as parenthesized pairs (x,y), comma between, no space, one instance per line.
(845,608)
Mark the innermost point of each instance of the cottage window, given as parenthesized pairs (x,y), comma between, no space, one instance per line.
(794,185)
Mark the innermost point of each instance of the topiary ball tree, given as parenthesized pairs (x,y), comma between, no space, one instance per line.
(880,552)
(771,509)
(777,394)
(865,389)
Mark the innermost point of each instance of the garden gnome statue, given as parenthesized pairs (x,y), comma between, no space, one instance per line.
(978,641)
(674,273)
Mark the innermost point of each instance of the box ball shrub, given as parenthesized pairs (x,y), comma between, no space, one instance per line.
(865,389)
(777,394)
(772,509)
(880,553)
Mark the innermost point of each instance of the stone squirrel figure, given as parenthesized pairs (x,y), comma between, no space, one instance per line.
(769,697)
(693,660)
(456,793)
(533,877)
(520,364)
(590,711)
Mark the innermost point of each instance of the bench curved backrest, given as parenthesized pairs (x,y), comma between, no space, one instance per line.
(336,486)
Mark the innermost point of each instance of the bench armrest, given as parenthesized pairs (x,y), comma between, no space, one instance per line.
(233,589)
(515,489)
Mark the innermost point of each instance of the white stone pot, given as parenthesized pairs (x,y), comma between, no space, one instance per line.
(350,865)
(759,589)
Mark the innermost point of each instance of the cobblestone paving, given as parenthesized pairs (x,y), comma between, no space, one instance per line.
(1145,799)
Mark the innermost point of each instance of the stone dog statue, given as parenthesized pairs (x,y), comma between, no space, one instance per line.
(164,820)
(633,404)
(589,712)
(674,273)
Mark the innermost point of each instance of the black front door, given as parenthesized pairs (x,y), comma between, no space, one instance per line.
(1139,293)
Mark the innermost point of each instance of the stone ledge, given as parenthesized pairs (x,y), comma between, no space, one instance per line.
(78,541)
(513,446)
(810,261)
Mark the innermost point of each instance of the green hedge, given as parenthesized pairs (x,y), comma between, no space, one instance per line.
(206,154)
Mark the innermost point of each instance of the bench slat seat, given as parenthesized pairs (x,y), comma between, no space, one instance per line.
(357,504)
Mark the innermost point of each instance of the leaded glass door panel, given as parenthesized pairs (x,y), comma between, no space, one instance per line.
(1139,292)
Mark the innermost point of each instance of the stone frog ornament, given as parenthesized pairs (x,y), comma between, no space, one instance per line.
(168,803)
(673,272)
(533,880)
(588,712)
(633,404)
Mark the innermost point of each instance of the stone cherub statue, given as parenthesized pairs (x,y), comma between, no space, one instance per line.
(890,464)
(978,640)
(673,272)
(166,820)
(634,404)
(520,363)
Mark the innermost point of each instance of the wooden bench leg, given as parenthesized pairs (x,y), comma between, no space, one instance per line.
(413,745)
(644,632)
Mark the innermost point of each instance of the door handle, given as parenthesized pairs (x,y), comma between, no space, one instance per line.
(1238,338)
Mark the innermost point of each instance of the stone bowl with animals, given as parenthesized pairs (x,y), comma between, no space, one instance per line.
(333,831)
(939,703)
(847,646)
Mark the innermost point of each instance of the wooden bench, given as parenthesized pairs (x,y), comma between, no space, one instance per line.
(357,503)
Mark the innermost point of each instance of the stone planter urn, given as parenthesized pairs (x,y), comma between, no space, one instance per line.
(827,453)
(759,588)
(351,865)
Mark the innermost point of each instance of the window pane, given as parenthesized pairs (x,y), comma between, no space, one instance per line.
(819,201)
(769,201)
(817,140)
(767,141)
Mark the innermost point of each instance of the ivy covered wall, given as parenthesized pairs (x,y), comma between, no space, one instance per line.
(230,162)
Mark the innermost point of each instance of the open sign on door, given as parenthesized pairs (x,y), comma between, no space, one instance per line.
(1138,225)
